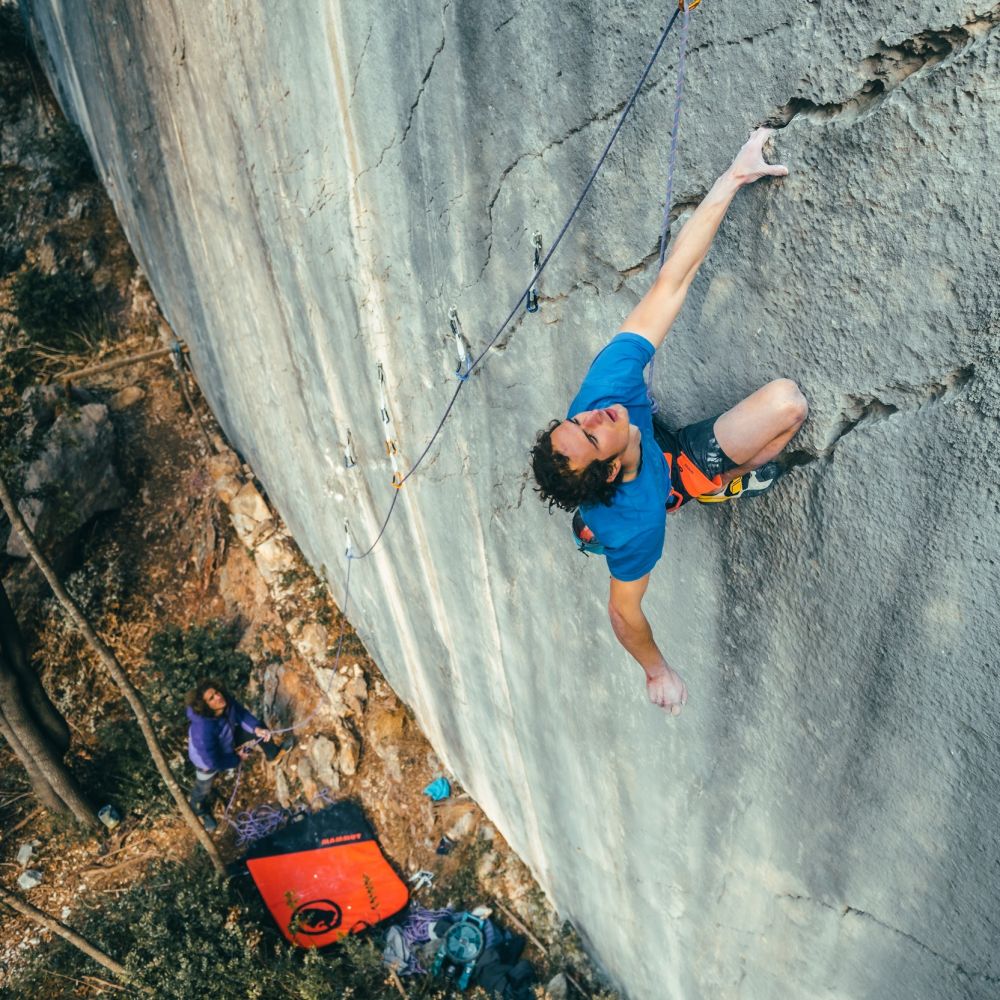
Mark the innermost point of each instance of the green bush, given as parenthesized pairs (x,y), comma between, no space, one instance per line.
(51,308)
(185,933)
(122,772)
(179,658)
(69,155)
(13,41)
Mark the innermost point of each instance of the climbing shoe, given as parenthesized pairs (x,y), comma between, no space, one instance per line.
(208,822)
(751,484)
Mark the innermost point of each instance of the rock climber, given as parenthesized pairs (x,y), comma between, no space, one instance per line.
(221,734)
(608,462)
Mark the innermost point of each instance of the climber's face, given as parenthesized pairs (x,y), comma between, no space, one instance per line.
(593,435)
(215,700)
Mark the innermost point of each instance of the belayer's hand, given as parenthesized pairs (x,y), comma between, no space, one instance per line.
(750,165)
(666,688)
(262,733)
(244,751)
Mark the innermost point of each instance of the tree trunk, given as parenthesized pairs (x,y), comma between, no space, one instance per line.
(45,713)
(42,789)
(110,661)
(35,747)
(50,923)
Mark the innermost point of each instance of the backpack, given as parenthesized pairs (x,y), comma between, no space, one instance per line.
(586,540)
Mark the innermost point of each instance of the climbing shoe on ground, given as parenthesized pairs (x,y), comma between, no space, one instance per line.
(208,822)
(751,484)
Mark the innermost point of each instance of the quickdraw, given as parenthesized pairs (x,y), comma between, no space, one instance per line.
(465,363)
(531,302)
(391,447)
(349,460)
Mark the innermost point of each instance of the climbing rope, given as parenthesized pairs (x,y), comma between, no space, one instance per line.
(668,201)
(526,296)
(261,821)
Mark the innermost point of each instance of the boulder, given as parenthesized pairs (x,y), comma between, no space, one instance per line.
(311,642)
(72,476)
(274,557)
(250,515)
(322,753)
(557,988)
(125,398)
(304,772)
(227,479)
(350,751)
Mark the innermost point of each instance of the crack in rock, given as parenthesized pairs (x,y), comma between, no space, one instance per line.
(427,75)
(361,59)
(888,68)
(860,409)
(864,409)
(600,119)
(847,910)
(677,209)
(398,140)
(503,24)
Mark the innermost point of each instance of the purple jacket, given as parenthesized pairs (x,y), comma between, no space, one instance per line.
(210,740)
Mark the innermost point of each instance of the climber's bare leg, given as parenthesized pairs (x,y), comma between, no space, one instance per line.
(756,429)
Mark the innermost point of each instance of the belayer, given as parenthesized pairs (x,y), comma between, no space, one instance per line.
(608,462)
(221,734)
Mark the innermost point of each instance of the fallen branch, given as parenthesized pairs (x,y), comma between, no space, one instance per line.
(523,928)
(180,367)
(117,363)
(99,983)
(94,869)
(22,823)
(67,934)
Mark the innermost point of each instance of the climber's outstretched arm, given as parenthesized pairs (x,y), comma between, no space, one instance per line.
(664,685)
(655,314)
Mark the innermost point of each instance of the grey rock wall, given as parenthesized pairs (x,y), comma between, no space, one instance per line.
(311,186)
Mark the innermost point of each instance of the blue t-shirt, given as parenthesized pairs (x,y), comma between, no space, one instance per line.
(632,529)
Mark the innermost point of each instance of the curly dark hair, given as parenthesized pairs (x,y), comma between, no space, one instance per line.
(566,488)
(195,698)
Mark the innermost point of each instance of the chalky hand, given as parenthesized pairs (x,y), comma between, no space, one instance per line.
(667,690)
(750,165)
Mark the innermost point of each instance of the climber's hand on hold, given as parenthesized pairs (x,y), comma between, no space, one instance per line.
(750,165)
(666,688)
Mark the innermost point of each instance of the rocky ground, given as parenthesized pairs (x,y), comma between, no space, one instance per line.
(162,528)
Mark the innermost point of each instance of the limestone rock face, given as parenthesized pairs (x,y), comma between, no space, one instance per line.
(310,188)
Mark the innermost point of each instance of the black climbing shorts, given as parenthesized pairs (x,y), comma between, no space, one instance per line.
(697,461)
